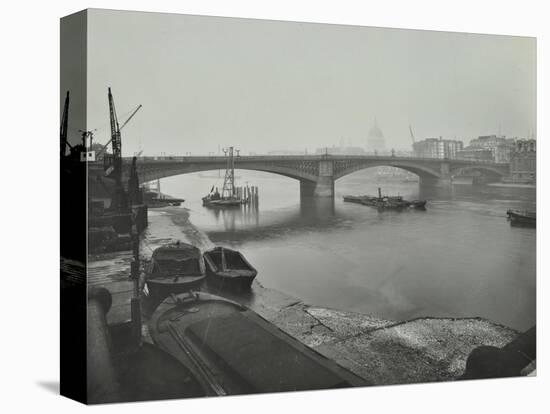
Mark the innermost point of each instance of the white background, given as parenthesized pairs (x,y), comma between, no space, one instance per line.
(29,297)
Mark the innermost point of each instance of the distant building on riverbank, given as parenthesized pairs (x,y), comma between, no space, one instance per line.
(500,148)
(475,154)
(437,148)
(523,162)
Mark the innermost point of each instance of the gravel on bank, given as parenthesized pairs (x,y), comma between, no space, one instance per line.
(382,351)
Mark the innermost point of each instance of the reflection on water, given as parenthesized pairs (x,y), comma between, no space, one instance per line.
(234,218)
(458,258)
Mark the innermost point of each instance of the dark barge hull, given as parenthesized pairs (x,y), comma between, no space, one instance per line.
(153,374)
(175,268)
(221,282)
(232,350)
(119,369)
(354,199)
(522,219)
(418,204)
(221,203)
(228,269)
(386,203)
(163,203)
(161,288)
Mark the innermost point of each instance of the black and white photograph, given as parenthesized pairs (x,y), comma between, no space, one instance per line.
(271,208)
(281,206)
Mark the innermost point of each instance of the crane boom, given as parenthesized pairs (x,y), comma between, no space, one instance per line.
(131,116)
(102,150)
(115,169)
(412,135)
(64,126)
(114,162)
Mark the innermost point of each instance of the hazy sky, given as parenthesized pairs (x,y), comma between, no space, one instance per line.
(265,85)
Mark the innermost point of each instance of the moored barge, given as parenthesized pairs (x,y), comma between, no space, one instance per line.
(226,268)
(175,268)
(386,202)
(522,218)
(232,350)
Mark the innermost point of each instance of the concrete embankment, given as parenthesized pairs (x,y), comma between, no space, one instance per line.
(381,351)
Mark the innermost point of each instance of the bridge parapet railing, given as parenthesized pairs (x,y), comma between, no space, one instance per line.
(318,157)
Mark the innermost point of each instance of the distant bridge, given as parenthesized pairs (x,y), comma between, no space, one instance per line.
(316,173)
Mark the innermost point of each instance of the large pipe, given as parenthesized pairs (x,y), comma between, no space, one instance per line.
(103,385)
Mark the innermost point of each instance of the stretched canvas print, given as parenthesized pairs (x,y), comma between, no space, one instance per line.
(253,206)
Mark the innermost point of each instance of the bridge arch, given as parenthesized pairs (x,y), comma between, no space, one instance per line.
(150,174)
(419,170)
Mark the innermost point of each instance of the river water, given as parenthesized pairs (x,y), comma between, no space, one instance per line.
(459,258)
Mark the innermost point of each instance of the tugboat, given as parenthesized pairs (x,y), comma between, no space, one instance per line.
(522,218)
(228,196)
(175,268)
(232,350)
(226,268)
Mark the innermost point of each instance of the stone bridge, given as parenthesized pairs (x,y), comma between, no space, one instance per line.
(316,173)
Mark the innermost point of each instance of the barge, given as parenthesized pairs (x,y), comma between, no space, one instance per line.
(175,268)
(386,202)
(226,268)
(232,350)
(522,218)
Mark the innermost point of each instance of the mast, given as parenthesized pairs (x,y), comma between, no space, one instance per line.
(64,126)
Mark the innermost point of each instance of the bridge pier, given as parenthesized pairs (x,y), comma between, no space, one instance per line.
(436,182)
(323,187)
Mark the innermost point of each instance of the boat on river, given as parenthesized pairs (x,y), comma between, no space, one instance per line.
(418,204)
(175,268)
(354,199)
(386,202)
(228,197)
(522,218)
(156,199)
(216,201)
(232,350)
(226,268)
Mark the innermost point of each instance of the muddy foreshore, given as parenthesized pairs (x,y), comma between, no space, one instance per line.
(379,350)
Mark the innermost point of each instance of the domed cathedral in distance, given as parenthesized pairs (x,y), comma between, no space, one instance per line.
(375,139)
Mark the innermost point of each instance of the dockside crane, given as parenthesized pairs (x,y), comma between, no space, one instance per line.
(116,141)
(64,127)
(113,163)
(102,150)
